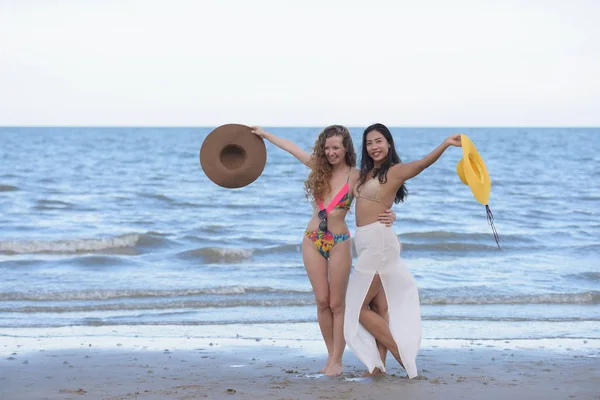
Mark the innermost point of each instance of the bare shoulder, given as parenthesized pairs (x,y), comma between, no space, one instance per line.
(397,167)
(353,179)
(354,176)
(397,171)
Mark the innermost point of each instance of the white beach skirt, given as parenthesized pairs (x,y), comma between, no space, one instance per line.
(378,250)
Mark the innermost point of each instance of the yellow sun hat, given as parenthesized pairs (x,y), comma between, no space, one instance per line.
(472,172)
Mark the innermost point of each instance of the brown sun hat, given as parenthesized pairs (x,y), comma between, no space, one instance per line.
(232,156)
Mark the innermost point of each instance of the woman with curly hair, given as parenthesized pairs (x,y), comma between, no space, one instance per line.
(326,248)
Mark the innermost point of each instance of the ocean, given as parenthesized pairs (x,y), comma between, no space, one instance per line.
(119,230)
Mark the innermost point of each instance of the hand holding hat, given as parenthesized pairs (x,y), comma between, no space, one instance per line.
(258,131)
(454,140)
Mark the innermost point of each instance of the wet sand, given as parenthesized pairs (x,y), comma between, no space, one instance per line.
(164,368)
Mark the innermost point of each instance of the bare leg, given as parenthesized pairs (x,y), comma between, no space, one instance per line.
(316,268)
(375,324)
(340,263)
(380,307)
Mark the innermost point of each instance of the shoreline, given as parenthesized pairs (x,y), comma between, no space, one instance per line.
(117,367)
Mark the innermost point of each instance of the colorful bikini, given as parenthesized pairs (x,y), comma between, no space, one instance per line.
(322,238)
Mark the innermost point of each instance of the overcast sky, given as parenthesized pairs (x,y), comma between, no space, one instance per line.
(300,63)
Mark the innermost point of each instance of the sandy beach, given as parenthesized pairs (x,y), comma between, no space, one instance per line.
(121,368)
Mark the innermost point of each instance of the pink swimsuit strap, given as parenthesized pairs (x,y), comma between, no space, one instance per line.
(335,200)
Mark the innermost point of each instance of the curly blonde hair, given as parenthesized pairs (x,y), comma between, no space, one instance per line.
(318,183)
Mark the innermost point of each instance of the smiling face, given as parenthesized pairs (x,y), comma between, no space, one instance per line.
(334,150)
(377,146)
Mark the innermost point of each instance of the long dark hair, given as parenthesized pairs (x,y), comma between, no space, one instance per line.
(367,164)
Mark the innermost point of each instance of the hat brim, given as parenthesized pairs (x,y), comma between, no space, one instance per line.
(460,170)
(472,171)
(232,156)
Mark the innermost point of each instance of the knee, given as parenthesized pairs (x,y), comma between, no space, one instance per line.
(365,308)
(364,313)
(337,306)
(379,309)
(322,303)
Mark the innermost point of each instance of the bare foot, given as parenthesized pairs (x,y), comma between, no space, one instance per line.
(375,372)
(324,369)
(334,369)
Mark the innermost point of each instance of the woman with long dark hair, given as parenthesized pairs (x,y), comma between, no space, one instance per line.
(379,270)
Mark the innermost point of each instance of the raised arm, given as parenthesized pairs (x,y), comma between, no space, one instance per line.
(284,144)
(405,171)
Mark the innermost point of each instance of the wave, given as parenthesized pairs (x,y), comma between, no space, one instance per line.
(191,307)
(305,300)
(169,200)
(449,236)
(583,212)
(273,295)
(442,234)
(122,322)
(585,276)
(69,246)
(590,297)
(53,205)
(449,246)
(153,196)
(96,322)
(91,261)
(589,198)
(414,241)
(85,261)
(154,233)
(169,305)
(215,228)
(151,239)
(218,254)
(509,319)
(8,188)
(122,244)
(19,263)
(223,254)
(594,248)
(286,248)
(210,231)
(109,294)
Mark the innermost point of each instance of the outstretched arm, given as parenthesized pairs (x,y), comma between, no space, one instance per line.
(405,171)
(284,144)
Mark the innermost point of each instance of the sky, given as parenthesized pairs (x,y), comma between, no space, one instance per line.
(299,63)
